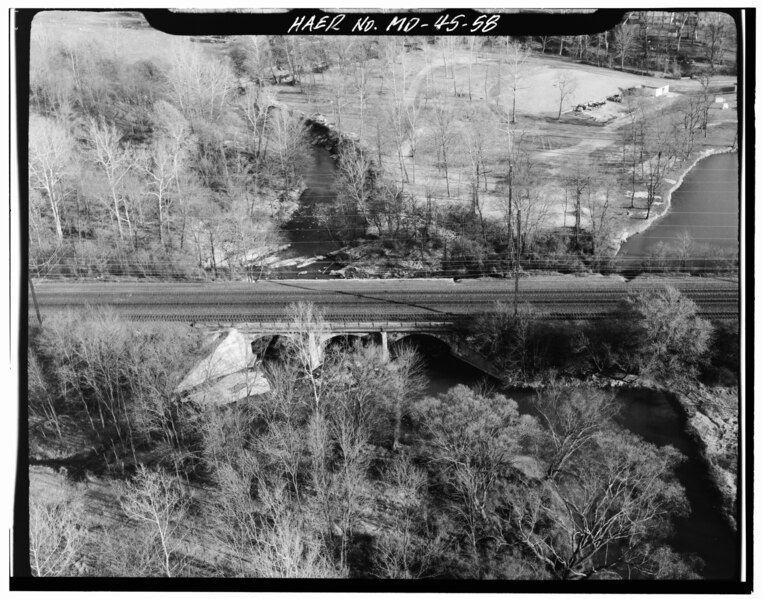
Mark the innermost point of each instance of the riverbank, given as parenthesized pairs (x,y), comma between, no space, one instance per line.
(712,420)
(639,226)
(711,417)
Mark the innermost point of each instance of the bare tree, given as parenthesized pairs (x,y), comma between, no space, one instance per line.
(684,245)
(56,534)
(474,44)
(578,183)
(305,344)
(251,57)
(361,81)
(717,28)
(161,163)
(705,100)
(660,151)
(288,140)
(667,334)
(690,122)
(566,83)
(443,120)
(599,215)
(613,511)
(516,58)
(476,146)
(256,106)
(287,547)
(571,420)
(199,83)
(412,111)
(533,205)
(404,552)
(115,160)
(474,440)
(355,182)
(635,139)
(40,399)
(402,118)
(625,39)
(406,385)
(180,140)
(679,20)
(50,160)
(156,500)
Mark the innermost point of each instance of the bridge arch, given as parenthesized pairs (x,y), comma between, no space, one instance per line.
(429,345)
(268,345)
(341,340)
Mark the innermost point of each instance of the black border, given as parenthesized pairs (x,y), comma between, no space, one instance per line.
(524,24)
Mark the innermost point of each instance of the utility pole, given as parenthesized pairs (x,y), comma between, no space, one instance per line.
(508,220)
(516,265)
(378,145)
(34,299)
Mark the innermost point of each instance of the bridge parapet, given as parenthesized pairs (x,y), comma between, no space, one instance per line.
(345,327)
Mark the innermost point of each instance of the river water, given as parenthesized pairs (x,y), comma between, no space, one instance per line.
(706,205)
(306,230)
(651,415)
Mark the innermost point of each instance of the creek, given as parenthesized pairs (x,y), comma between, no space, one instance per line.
(654,417)
(308,237)
(706,205)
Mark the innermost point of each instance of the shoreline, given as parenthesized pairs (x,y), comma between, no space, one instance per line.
(667,199)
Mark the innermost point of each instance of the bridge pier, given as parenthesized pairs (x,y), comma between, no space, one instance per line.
(384,346)
(315,347)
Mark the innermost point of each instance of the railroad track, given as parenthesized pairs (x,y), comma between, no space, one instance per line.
(358,302)
(232,319)
(574,312)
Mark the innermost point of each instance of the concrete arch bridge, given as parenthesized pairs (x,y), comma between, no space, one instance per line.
(387,336)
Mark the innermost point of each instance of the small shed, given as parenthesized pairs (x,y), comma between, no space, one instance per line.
(647,90)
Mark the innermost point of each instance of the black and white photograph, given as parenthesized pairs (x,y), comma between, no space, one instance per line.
(443,300)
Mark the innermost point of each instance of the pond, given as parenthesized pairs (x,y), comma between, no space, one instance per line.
(706,206)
